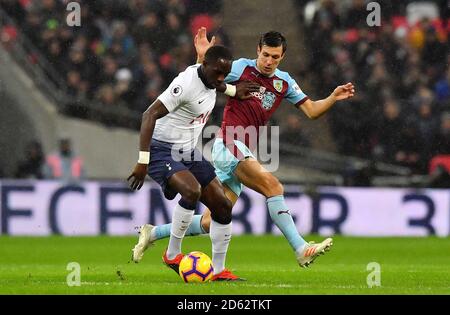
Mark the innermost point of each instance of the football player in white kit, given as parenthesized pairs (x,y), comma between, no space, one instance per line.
(169,132)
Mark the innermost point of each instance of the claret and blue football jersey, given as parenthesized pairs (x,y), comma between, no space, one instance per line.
(257,110)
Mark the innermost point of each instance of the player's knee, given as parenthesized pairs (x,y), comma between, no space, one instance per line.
(192,193)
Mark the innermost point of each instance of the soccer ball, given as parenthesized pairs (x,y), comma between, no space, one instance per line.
(196,267)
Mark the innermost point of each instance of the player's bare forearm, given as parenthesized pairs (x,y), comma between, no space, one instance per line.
(315,109)
(147,127)
(154,112)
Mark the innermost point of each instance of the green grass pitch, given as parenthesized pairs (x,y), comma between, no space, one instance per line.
(37,265)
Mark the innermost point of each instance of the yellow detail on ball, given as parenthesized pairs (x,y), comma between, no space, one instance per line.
(196,267)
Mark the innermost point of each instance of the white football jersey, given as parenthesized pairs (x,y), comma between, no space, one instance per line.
(189,103)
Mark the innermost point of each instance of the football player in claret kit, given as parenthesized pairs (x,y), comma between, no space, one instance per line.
(170,129)
(232,156)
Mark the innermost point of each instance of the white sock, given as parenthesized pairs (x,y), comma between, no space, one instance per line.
(181,219)
(220,235)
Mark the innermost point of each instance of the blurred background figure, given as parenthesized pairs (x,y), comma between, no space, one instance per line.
(64,164)
(440,155)
(409,148)
(441,142)
(124,79)
(388,131)
(32,165)
(293,133)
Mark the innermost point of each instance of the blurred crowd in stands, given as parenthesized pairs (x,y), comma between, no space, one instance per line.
(401,113)
(62,164)
(125,53)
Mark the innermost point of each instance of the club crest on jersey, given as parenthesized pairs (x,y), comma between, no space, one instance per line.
(268,100)
(278,85)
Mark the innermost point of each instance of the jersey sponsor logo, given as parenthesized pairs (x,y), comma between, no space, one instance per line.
(268,100)
(278,85)
(260,94)
(176,90)
(168,166)
(297,89)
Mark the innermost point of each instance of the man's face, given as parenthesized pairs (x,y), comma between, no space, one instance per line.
(268,59)
(391,110)
(215,73)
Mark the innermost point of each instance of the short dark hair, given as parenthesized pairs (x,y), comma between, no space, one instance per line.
(273,39)
(217,52)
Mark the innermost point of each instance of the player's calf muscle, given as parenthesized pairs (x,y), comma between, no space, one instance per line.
(219,205)
(206,221)
(264,183)
(222,211)
(221,217)
(271,186)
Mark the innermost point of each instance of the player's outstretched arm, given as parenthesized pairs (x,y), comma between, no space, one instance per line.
(155,111)
(315,109)
(202,44)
